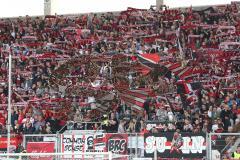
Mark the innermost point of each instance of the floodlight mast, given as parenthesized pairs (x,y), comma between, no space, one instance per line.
(50,7)
(9,101)
(159,3)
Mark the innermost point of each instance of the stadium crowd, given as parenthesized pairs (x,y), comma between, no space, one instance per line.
(46,73)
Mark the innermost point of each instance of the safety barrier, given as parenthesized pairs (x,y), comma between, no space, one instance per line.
(222,145)
(59,156)
(134,145)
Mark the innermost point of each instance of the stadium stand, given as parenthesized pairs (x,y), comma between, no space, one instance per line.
(119,72)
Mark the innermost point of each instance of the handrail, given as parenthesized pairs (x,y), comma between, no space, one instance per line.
(74,122)
(226,147)
(224,134)
(59,131)
(52,154)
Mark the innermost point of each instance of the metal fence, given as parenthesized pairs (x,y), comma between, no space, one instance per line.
(59,156)
(134,145)
(42,138)
(220,146)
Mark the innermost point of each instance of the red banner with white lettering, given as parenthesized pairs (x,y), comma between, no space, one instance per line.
(14,142)
(41,147)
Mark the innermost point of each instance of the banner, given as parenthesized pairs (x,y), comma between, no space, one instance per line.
(117,143)
(90,142)
(191,146)
(81,144)
(13,142)
(150,125)
(41,147)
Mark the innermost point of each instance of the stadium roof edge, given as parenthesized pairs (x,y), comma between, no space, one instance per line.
(69,15)
(200,7)
(116,12)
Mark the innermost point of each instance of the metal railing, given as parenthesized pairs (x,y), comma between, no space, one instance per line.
(41,138)
(221,145)
(74,125)
(58,156)
(134,146)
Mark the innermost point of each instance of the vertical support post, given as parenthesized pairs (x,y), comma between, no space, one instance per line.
(210,146)
(24,141)
(49,7)
(57,144)
(159,3)
(131,145)
(9,101)
(110,156)
(136,147)
(207,146)
(155,151)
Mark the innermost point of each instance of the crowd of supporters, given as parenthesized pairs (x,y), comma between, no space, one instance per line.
(45,48)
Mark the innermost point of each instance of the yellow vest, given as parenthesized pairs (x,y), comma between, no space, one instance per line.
(236,155)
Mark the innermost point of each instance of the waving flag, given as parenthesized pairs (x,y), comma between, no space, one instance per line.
(189,90)
(149,60)
(183,72)
(135,98)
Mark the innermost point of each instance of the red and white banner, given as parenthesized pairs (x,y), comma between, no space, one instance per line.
(41,147)
(117,143)
(14,142)
(85,143)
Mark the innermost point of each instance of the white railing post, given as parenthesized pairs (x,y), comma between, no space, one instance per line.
(24,141)
(136,147)
(57,143)
(207,146)
(210,146)
(110,155)
(130,144)
(155,152)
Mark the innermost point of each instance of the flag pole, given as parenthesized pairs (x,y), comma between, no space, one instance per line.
(9,101)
